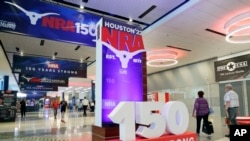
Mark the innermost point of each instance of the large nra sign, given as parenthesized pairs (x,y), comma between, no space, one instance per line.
(119,67)
(232,69)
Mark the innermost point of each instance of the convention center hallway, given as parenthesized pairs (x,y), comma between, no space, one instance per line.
(41,126)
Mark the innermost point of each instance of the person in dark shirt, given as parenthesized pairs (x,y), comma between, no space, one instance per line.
(201,111)
(23,108)
(63,105)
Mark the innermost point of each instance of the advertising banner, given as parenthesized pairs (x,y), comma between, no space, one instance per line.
(232,69)
(119,67)
(8,106)
(26,87)
(34,94)
(48,21)
(41,67)
(43,80)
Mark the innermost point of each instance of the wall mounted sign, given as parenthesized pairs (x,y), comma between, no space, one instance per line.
(233,68)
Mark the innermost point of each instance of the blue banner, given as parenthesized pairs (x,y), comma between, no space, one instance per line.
(48,21)
(41,67)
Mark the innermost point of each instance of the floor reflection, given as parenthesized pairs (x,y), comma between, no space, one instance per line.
(40,126)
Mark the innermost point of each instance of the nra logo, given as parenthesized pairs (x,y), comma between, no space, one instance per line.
(53,66)
(68,25)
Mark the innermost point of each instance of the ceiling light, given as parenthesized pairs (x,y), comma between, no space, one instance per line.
(81,60)
(21,53)
(238,28)
(161,62)
(81,7)
(161,58)
(53,57)
(130,19)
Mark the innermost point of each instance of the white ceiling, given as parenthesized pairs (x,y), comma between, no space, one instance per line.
(184,29)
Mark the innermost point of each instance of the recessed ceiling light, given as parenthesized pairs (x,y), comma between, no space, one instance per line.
(21,53)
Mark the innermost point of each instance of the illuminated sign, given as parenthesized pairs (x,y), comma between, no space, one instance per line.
(119,47)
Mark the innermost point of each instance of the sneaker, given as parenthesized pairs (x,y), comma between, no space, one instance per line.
(227,135)
(209,137)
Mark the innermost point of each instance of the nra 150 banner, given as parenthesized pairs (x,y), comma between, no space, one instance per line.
(119,57)
(44,67)
(233,68)
(48,21)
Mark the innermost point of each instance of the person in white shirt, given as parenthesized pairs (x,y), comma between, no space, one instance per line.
(231,101)
(85,103)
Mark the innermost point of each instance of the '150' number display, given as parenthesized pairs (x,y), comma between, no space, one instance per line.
(172,118)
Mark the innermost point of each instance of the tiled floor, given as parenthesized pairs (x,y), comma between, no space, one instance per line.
(41,126)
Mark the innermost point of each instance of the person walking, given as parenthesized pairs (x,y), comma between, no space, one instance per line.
(85,106)
(80,106)
(63,105)
(1,102)
(201,111)
(231,101)
(55,105)
(23,108)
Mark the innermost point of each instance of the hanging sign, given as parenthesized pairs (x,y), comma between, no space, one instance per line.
(48,21)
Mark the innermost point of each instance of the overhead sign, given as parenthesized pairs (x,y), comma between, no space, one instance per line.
(34,94)
(43,80)
(46,67)
(233,68)
(48,21)
(25,87)
(119,67)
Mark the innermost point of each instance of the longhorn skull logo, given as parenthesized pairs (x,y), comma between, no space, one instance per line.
(33,16)
(123,55)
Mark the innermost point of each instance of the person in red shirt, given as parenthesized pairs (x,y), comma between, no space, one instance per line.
(55,105)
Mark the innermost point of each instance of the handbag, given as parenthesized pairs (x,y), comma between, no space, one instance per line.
(209,129)
(211,110)
(227,121)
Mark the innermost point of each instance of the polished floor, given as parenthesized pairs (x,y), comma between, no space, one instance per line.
(41,126)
